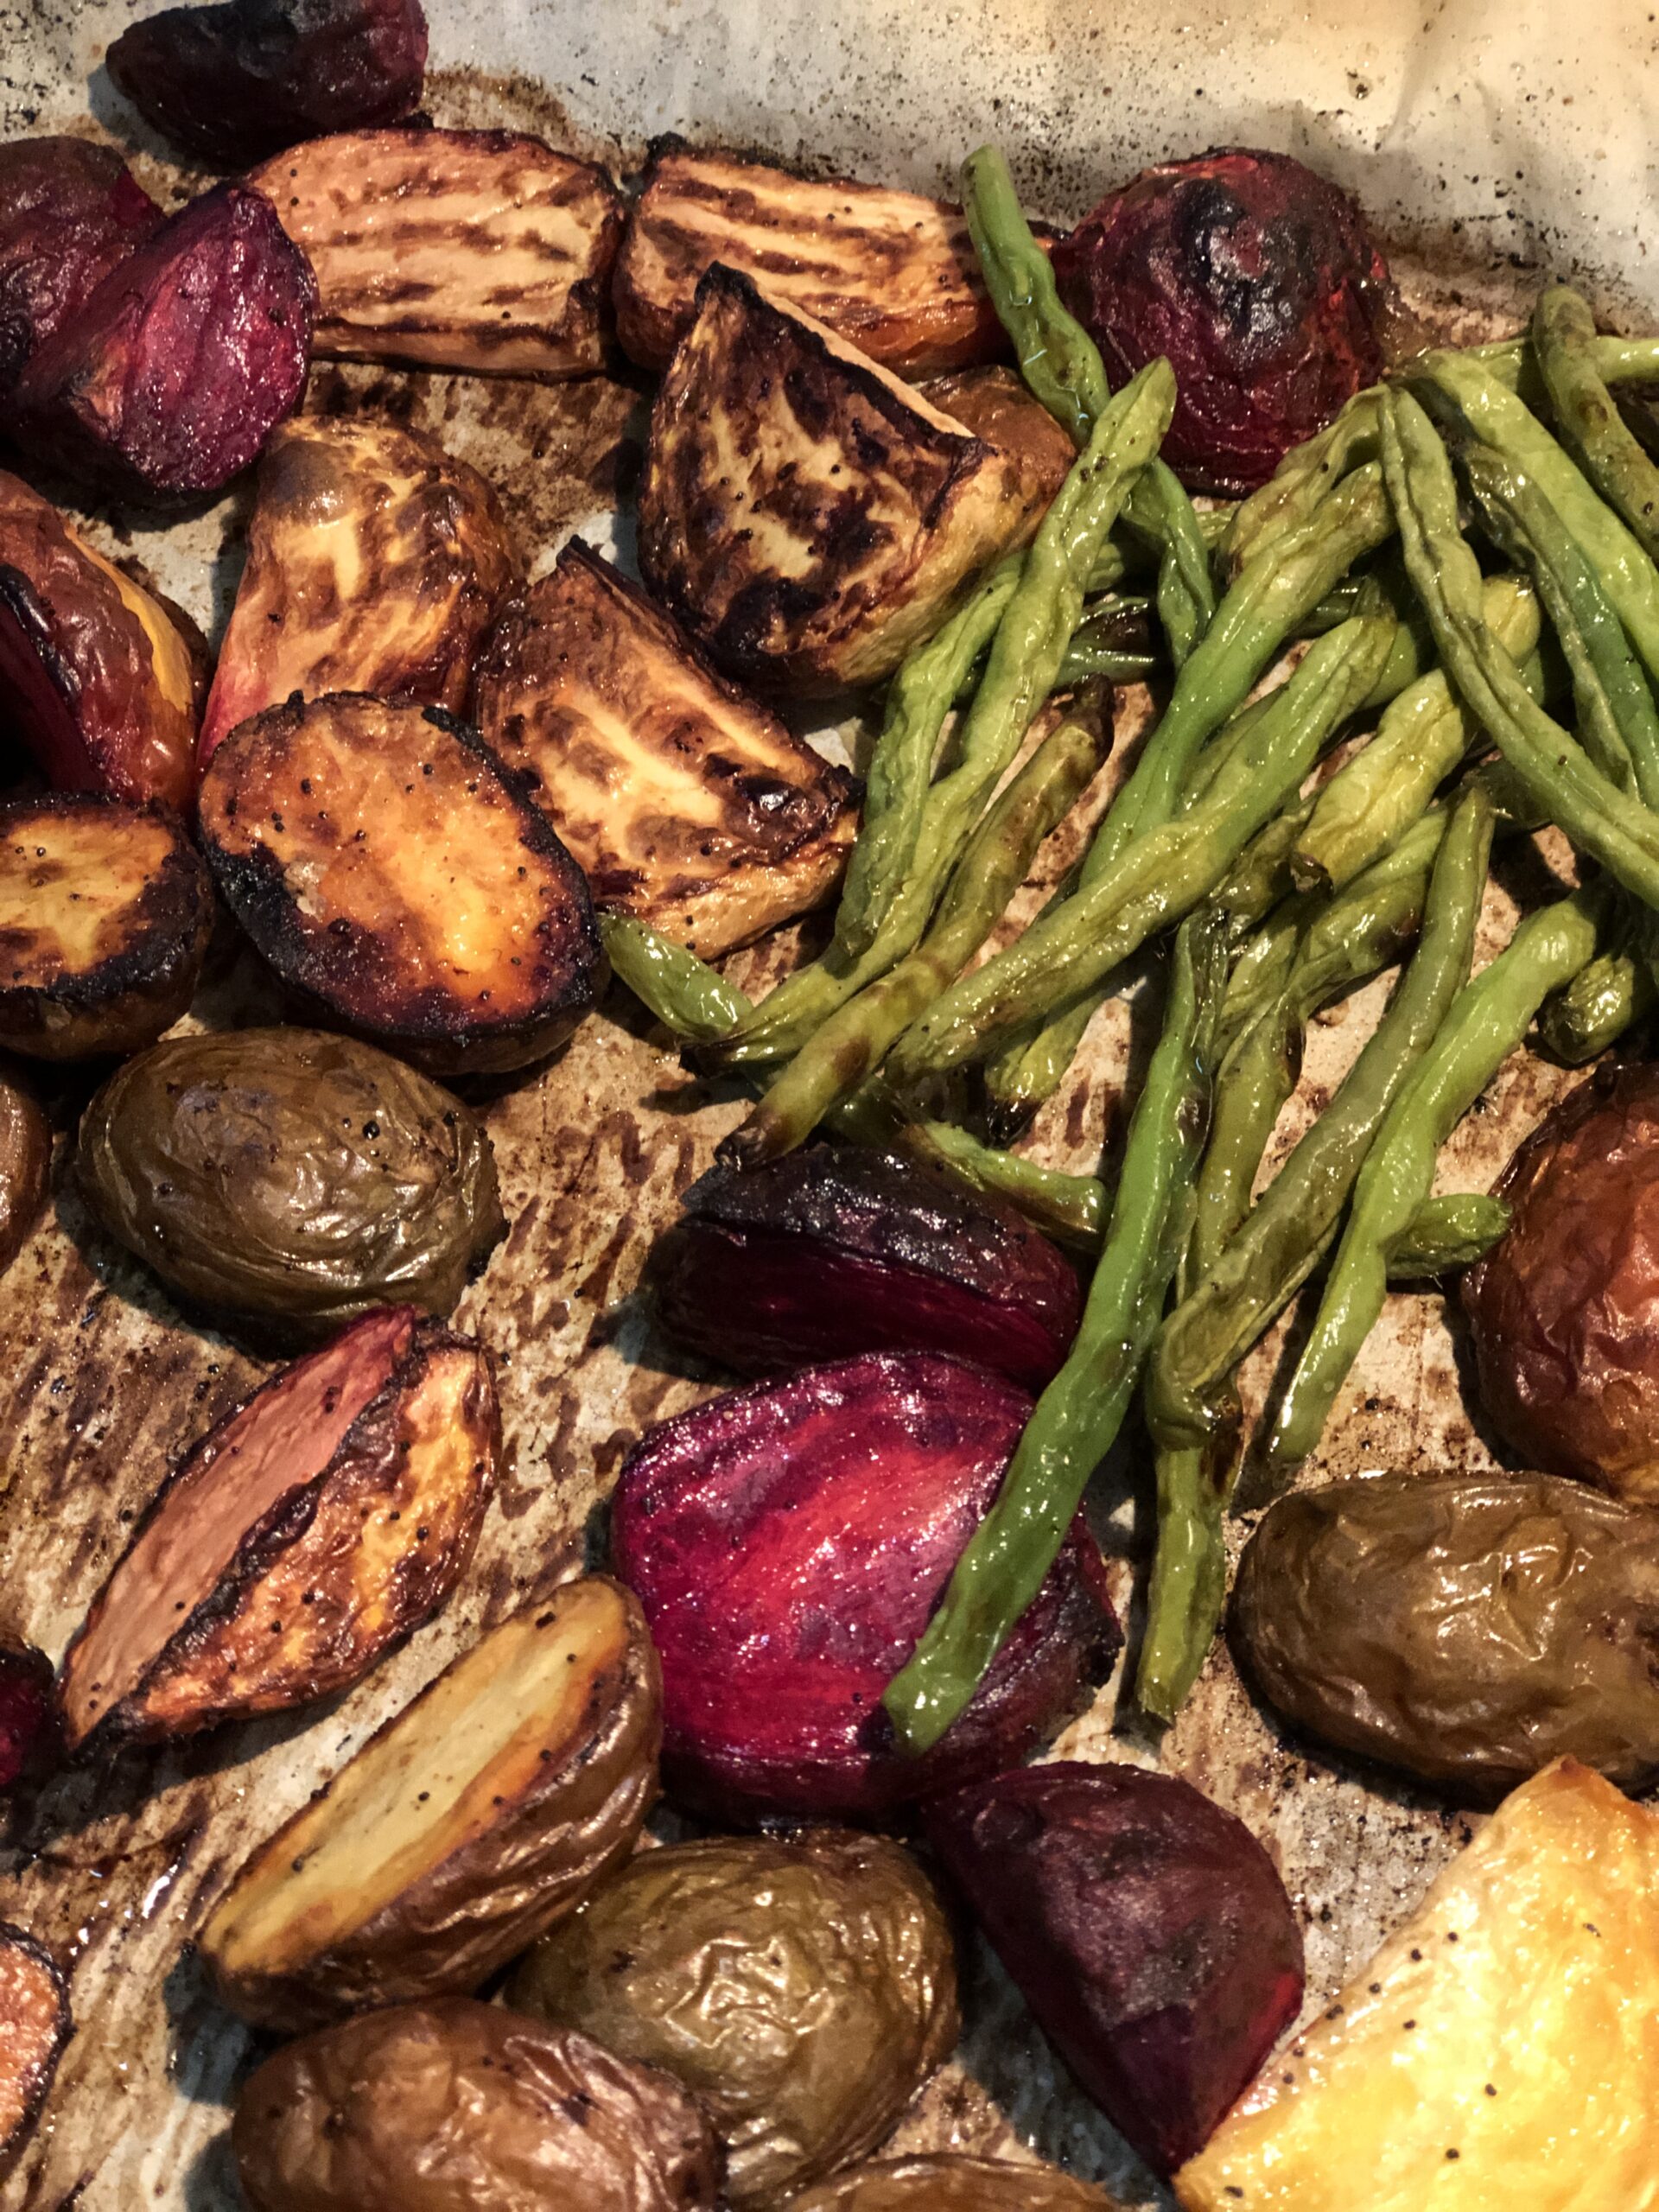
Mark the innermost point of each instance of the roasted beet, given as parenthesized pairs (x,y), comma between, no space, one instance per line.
(1146,1928)
(826,1253)
(1260,282)
(69,212)
(237,81)
(34,2025)
(27,1717)
(169,379)
(789,1541)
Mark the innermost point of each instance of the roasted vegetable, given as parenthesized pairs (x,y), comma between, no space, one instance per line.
(1499,2048)
(1146,1928)
(28,1722)
(802,1990)
(479,1817)
(1385,1616)
(34,2025)
(891,272)
(475,250)
(809,516)
(386,865)
(995,405)
(788,1542)
(687,804)
(951,2181)
(297,1542)
(25,1164)
(188,1156)
(827,1253)
(167,378)
(106,910)
(1260,282)
(96,679)
(376,562)
(458,2106)
(1564,1313)
(238,80)
(69,211)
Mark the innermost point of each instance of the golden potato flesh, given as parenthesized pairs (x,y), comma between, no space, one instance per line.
(476,249)
(1499,2050)
(687,804)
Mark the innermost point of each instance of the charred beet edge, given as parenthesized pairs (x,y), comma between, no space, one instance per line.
(237,81)
(29,1728)
(827,1253)
(1146,1928)
(69,214)
(34,2025)
(1259,282)
(788,1542)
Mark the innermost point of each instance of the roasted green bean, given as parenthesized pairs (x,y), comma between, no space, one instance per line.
(1564,345)
(1446,1234)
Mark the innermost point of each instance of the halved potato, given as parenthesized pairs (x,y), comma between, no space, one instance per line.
(999,407)
(34,2025)
(297,1541)
(892,272)
(687,802)
(106,910)
(806,514)
(470,1825)
(25,1163)
(476,249)
(385,863)
(376,562)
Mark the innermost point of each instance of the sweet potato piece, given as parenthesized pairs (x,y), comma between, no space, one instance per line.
(471,1824)
(476,249)
(385,862)
(376,562)
(687,804)
(803,512)
(301,1539)
(244,78)
(168,379)
(34,2025)
(70,211)
(96,679)
(29,1721)
(105,912)
(1498,2049)
(1146,1928)
(894,273)
(25,1164)
(789,1541)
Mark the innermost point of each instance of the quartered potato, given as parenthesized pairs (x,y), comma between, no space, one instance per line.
(471,1823)
(951,2181)
(892,272)
(476,249)
(999,407)
(25,1163)
(376,562)
(384,863)
(105,912)
(301,1539)
(687,802)
(809,516)
(34,2025)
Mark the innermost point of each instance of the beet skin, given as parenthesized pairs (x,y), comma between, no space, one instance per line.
(69,214)
(29,1726)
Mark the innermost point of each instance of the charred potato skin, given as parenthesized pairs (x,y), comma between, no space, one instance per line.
(514,2117)
(25,1164)
(802,1988)
(33,2083)
(951,2181)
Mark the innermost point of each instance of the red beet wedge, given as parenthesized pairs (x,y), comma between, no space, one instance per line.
(69,214)
(788,1542)
(29,1727)
(1146,1928)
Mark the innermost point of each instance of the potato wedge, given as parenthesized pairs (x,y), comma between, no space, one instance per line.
(894,273)
(105,912)
(999,406)
(376,562)
(34,2025)
(1498,2049)
(803,513)
(477,250)
(471,1824)
(297,1541)
(384,862)
(687,804)
(25,1163)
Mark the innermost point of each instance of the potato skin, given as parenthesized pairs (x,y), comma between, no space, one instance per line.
(459,2106)
(25,1164)
(802,1988)
(951,2181)
(998,406)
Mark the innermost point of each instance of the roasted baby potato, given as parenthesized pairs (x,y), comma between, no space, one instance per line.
(806,514)
(96,679)
(34,2025)
(297,1542)
(106,910)
(687,804)
(1499,2048)
(1146,1928)
(188,1156)
(892,273)
(478,1818)
(476,249)
(951,2181)
(802,1988)
(459,2106)
(25,1163)
(69,211)
(386,864)
(998,406)
(376,562)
